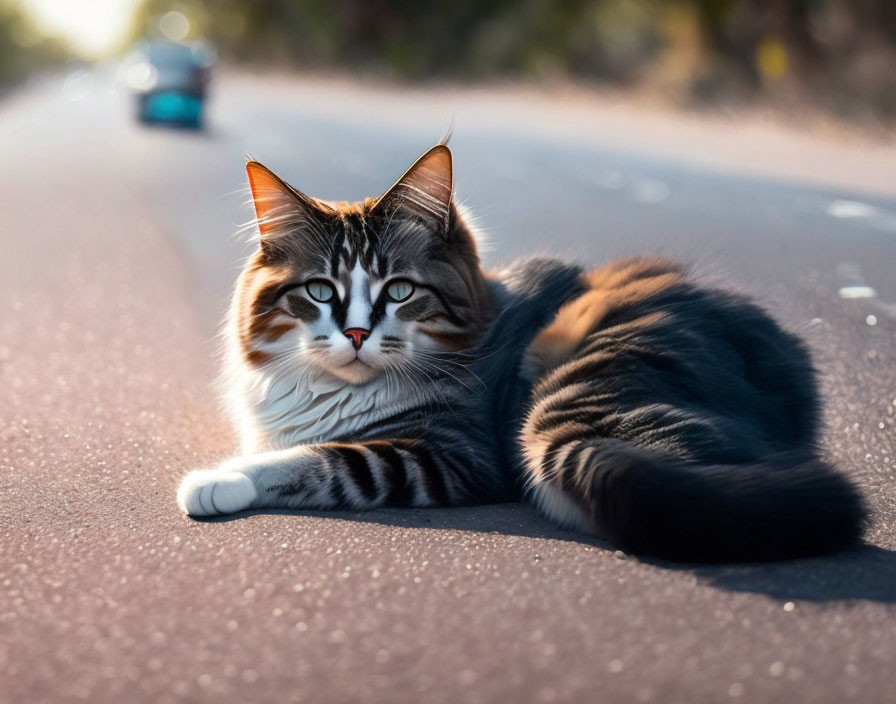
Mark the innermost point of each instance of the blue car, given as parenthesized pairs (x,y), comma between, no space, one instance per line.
(170,81)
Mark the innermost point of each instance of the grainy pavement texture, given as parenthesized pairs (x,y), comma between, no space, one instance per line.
(116,257)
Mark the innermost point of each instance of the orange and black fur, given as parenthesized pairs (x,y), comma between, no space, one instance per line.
(374,363)
(680,421)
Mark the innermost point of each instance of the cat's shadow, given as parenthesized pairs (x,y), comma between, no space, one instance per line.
(866,573)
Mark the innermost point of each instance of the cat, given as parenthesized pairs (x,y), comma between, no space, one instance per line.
(373,363)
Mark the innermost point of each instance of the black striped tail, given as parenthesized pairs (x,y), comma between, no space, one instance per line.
(781,507)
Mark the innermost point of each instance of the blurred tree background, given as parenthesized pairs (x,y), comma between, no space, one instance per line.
(837,54)
(23,48)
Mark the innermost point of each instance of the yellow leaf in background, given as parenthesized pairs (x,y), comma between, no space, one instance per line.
(771,58)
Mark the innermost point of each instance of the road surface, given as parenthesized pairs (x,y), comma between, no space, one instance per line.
(117,256)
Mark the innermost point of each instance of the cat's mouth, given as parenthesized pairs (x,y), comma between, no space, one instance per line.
(356,363)
(356,371)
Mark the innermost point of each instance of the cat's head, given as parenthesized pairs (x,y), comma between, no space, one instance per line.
(355,290)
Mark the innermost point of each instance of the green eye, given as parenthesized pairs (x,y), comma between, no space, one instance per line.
(400,290)
(320,291)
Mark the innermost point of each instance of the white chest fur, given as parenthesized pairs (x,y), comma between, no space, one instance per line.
(300,408)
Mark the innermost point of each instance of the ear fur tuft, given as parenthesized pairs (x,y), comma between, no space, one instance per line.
(280,209)
(425,190)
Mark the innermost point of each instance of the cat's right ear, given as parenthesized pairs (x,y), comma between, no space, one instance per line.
(280,209)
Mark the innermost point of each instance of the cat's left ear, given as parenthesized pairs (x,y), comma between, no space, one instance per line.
(424,192)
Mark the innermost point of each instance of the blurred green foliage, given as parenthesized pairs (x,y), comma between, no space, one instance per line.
(22,48)
(842,51)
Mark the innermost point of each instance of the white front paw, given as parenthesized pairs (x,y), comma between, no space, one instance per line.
(215,492)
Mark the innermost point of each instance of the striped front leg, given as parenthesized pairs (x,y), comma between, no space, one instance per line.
(360,475)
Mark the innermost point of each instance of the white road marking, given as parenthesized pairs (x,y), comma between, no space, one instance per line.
(857,291)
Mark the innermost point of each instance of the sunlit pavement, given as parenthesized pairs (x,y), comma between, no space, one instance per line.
(118,250)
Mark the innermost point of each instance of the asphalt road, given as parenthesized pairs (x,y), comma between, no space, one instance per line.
(116,256)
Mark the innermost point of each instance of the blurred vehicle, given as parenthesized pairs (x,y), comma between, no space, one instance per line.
(170,80)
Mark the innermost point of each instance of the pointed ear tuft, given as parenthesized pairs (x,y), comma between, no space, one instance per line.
(283,211)
(424,191)
(273,198)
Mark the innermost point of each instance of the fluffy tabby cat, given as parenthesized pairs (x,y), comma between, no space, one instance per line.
(375,364)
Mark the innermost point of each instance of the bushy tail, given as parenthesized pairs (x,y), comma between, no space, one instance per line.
(782,507)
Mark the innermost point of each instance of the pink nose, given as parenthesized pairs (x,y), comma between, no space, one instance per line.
(357,336)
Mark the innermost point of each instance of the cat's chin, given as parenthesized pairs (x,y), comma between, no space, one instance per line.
(356,372)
